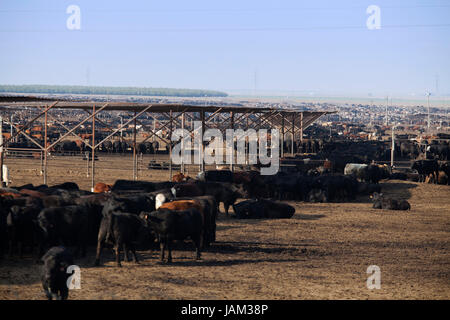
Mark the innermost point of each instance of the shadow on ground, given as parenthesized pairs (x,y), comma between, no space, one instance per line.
(396,190)
(302,216)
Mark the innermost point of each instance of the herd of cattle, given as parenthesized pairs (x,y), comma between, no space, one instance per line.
(131,215)
(79,146)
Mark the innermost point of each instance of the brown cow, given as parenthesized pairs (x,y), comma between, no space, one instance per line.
(101,187)
(179,205)
(11,194)
(33,193)
(179,177)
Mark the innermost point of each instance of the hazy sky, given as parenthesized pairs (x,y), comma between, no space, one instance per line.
(305,46)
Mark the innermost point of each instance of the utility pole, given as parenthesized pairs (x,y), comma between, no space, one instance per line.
(387,102)
(392,147)
(11,126)
(121,124)
(428,105)
(154,128)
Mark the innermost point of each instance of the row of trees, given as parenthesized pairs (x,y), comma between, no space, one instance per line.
(111,90)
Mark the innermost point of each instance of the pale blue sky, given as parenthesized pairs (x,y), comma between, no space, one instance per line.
(318,46)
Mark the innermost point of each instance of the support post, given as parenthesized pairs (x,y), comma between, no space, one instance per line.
(93,150)
(301,127)
(247,143)
(11,127)
(202,151)
(134,148)
(182,143)
(293,131)
(428,109)
(282,135)
(170,146)
(154,127)
(45,147)
(87,164)
(42,162)
(392,147)
(232,151)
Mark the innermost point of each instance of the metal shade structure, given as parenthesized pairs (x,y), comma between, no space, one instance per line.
(290,122)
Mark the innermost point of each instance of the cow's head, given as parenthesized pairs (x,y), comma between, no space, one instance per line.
(160,199)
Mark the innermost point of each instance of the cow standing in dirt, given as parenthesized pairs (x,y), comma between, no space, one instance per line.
(176,225)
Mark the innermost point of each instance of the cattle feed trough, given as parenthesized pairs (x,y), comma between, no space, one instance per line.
(290,123)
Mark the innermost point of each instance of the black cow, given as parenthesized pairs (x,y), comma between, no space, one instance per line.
(123,230)
(425,168)
(374,173)
(209,204)
(227,193)
(188,189)
(135,203)
(67,225)
(176,225)
(440,151)
(409,149)
(216,176)
(262,208)
(57,200)
(253,183)
(336,187)
(209,212)
(142,186)
(94,205)
(69,186)
(54,274)
(283,185)
(23,229)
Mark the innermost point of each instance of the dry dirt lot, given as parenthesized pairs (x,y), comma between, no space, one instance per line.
(321,253)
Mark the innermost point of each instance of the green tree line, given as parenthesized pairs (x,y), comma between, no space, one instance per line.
(111,90)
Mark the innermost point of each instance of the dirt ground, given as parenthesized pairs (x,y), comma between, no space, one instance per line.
(322,252)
